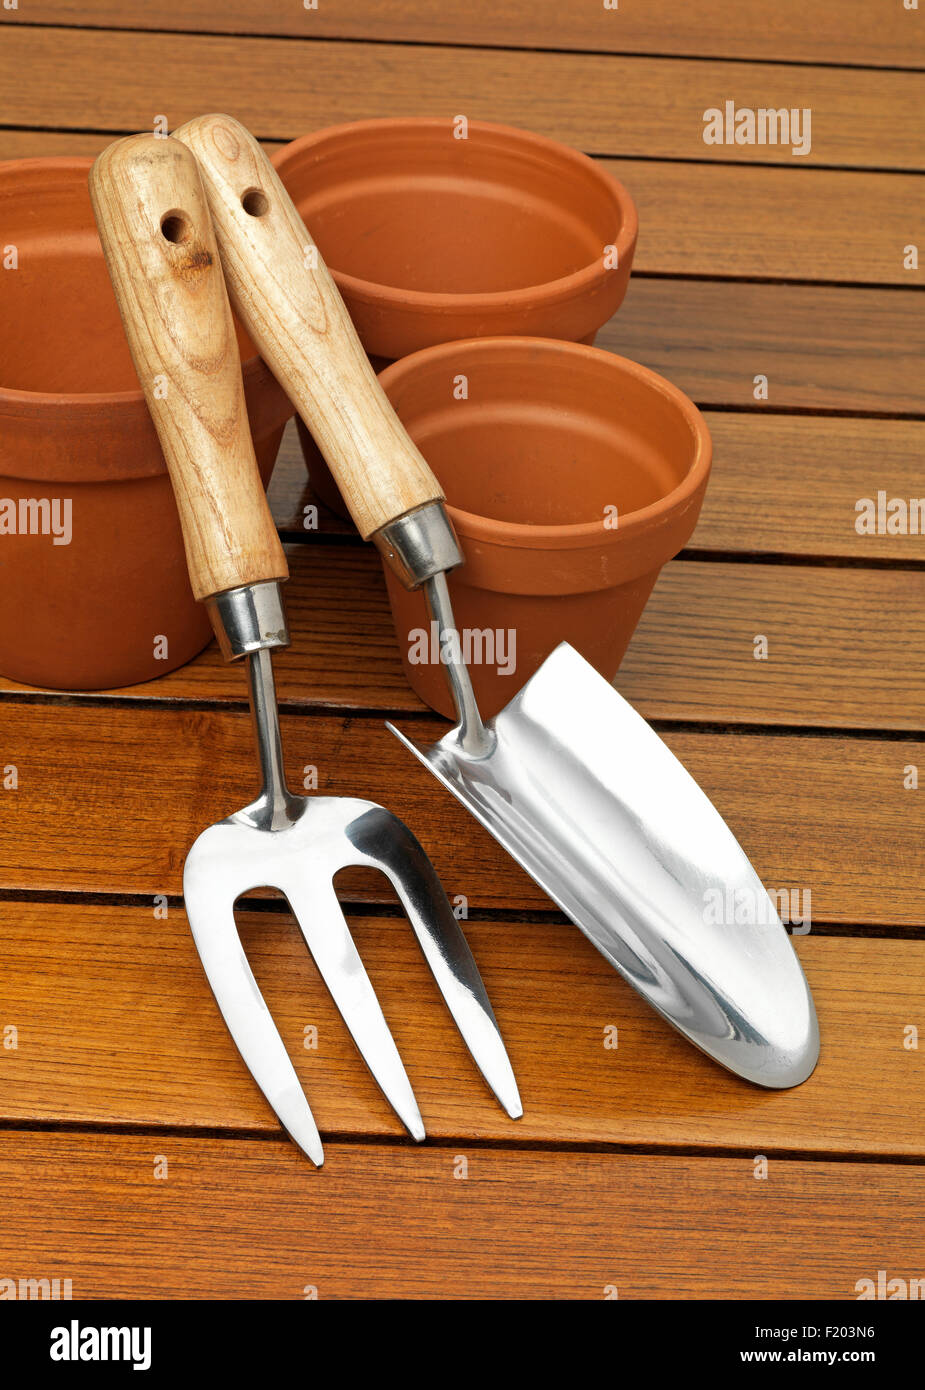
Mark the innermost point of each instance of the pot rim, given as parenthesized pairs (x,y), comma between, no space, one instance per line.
(523,535)
(551,291)
(27,403)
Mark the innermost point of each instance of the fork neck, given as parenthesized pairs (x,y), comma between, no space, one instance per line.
(277,801)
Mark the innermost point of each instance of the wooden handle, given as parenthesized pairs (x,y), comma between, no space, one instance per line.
(285,297)
(160,248)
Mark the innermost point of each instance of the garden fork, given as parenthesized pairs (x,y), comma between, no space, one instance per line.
(162,257)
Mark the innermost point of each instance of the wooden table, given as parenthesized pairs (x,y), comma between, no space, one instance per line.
(136,1156)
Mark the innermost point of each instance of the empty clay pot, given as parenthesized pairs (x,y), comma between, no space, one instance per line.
(431,237)
(571,476)
(93,585)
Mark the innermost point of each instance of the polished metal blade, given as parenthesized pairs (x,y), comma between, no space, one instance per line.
(211,918)
(588,799)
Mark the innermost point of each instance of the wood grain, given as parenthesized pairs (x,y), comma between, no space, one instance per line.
(51,144)
(769,223)
(844,646)
(116,1025)
(295,315)
(842,31)
(248,1219)
(821,348)
(121,81)
(780,485)
(789,485)
(111,798)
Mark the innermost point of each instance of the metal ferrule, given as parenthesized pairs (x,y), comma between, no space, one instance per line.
(419,544)
(249,619)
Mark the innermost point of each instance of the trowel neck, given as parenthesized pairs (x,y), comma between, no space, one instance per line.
(472,735)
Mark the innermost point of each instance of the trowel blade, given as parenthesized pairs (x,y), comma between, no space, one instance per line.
(583,793)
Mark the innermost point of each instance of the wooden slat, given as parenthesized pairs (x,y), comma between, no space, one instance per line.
(249,1219)
(845,646)
(788,485)
(866,32)
(781,485)
(50,144)
(110,799)
(712,219)
(118,80)
(117,1025)
(726,220)
(834,638)
(337,603)
(850,350)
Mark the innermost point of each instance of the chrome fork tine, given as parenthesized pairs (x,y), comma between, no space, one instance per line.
(400,856)
(244,1008)
(327,936)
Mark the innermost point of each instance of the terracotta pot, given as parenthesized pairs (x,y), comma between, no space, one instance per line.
(113,606)
(552,438)
(432,238)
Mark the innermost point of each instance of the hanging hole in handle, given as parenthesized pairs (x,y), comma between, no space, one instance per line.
(255,202)
(175,228)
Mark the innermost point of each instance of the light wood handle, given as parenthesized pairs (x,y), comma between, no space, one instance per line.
(285,297)
(160,248)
